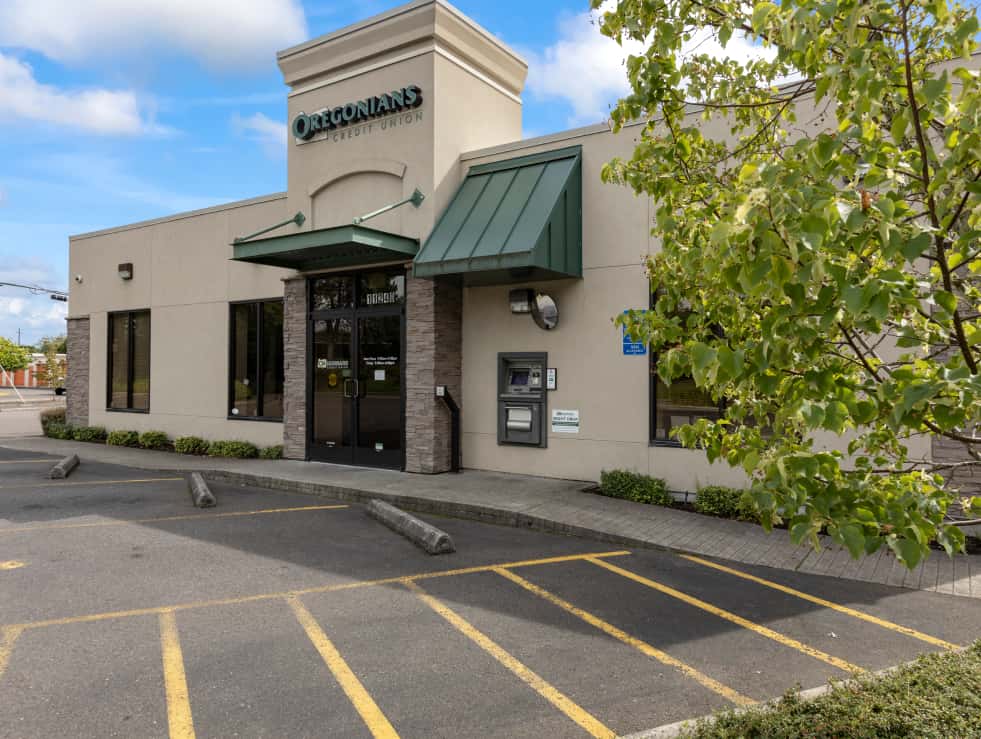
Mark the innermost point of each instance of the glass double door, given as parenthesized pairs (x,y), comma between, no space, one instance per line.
(357,385)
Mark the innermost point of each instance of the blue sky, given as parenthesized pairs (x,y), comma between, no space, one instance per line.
(109,116)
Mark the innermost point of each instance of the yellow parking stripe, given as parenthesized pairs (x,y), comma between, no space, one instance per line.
(26,461)
(550,693)
(371,714)
(175,681)
(728,616)
(192,517)
(89,482)
(306,591)
(714,685)
(8,635)
(827,604)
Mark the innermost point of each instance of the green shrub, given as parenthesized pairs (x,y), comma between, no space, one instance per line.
(236,449)
(154,440)
(190,445)
(50,416)
(90,433)
(272,452)
(717,500)
(123,438)
(937,696)
(57,430)
(634,486)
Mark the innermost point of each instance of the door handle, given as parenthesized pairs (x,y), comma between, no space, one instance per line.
(346,386)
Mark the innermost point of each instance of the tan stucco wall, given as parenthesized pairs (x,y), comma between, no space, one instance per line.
(183,274)
(610,390)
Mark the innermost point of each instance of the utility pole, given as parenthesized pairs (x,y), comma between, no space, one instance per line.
(18,337)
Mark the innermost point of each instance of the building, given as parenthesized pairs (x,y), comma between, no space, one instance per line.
(31,376)
(307,323)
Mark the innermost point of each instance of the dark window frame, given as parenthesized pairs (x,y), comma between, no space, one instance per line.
(652,406)
(260,360)
(130,356)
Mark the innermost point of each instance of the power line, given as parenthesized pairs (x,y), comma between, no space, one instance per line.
(59,295)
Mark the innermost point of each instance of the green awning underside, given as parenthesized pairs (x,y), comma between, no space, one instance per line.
(342,246)
(511,221)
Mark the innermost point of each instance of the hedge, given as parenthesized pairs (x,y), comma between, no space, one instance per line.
(123,438)
(272,452)
(90,433)
(936,697)
(717,500)
(634,486)
(235,449)
(191,445)
(154,440)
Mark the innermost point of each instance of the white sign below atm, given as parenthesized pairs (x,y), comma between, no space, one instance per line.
(565,422)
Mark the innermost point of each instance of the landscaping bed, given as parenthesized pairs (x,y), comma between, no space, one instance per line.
(938,695)
(712,500)
(53,426)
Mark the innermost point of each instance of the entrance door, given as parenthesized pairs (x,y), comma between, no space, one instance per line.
(356,331)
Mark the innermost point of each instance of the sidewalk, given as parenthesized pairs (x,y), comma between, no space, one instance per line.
(558,506)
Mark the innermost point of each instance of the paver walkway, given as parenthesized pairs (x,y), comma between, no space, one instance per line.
(550,505)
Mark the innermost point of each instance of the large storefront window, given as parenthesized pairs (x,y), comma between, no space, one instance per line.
(256,360)
(678,404)
(129,361)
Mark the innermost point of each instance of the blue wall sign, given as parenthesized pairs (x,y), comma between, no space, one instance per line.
(632,348)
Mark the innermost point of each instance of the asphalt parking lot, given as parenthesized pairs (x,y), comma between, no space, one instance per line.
(126,612)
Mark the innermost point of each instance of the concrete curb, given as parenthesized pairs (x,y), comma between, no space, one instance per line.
(201,494)
(64,468)
(420,533)
(671,731)
(450,509)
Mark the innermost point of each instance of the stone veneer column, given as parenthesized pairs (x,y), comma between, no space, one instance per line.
(295,368)
(434,343)
(77,379)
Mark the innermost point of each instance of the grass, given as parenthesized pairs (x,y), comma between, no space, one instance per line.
(937,696)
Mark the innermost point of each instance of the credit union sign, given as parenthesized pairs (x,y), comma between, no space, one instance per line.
(306,125)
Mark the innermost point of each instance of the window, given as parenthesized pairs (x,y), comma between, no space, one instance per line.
(677,404)
(129,362)
(256,360)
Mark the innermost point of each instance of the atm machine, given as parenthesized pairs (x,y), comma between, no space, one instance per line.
(521,398)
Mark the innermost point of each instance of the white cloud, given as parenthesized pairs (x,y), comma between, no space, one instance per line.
(35,316)
(220,33)
(587,70)
(99,111)
(272,135)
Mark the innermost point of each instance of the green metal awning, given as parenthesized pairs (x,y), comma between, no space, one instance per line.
(341,246)
(511,221)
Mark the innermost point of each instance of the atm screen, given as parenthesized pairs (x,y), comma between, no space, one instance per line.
(519,377)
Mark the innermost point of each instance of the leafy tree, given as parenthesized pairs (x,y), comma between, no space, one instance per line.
(52,372)
(59,344)
(819,212)
(13,357)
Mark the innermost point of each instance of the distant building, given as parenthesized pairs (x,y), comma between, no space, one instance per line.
(31,376)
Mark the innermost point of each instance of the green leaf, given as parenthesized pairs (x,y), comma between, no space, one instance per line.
(907,551)
(934,88)
(946,300)
(914,248)
(853,537)
(800,531)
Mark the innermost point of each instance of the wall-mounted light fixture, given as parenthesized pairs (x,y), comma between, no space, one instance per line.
(520,299)
(126,271)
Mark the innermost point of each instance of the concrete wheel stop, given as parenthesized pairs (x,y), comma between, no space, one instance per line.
(201,494)
(64,467)
(420,533)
